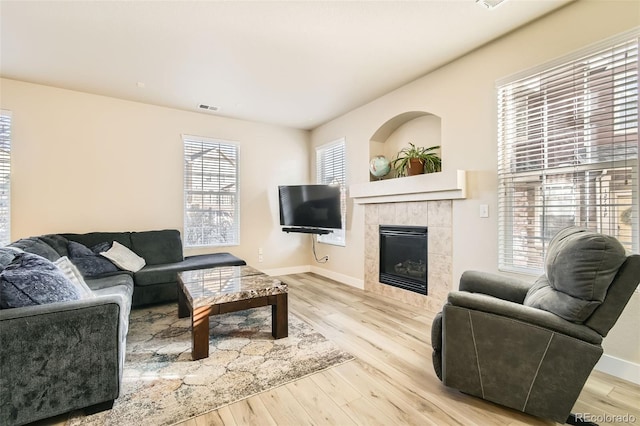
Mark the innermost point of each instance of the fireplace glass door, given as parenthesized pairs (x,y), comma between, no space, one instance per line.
(403,257)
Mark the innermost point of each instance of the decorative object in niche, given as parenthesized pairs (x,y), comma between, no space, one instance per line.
(379,166)
(415,160)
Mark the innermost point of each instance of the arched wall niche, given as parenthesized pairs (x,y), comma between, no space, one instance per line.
(418,127)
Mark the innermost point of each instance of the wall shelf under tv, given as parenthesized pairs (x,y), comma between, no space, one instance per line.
(318,231)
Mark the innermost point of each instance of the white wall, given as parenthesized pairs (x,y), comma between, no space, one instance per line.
(463,94)
(84,162)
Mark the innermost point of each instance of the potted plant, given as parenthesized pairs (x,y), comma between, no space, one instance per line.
(415,160)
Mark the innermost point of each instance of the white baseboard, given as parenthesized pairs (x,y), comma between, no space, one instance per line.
(286,271)
(620,368)
(345,279)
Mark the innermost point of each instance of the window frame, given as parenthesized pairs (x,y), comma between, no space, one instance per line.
(337,237)
(6,121)
(596,152)
(235,225)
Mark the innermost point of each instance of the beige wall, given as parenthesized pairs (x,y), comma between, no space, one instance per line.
(83,163)
(462,94)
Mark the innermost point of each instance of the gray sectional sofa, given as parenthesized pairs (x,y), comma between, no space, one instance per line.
(62,344)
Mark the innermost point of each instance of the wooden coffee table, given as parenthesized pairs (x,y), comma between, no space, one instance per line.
(224,289)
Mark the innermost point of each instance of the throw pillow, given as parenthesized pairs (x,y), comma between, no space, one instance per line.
(77,250)
(7,254)
(580,266)
(100,247)
(30,280)
(71,272)
(124,258)
(89,264)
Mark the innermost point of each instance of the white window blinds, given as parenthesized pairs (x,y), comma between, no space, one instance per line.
(5,174)
(568,152)
(211,202)
(331,170)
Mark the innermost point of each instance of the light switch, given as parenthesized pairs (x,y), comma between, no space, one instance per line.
(484,210)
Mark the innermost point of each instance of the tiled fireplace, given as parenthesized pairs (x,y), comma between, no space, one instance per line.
(434,215)
(422,200)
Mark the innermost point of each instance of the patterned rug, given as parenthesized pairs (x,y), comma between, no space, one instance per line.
(162,385)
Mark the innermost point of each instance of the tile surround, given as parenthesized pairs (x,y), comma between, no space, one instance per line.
(436,215)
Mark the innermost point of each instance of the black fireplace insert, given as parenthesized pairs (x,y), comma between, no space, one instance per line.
(403,257)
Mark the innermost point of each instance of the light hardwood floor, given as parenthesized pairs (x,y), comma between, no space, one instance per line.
(392,381)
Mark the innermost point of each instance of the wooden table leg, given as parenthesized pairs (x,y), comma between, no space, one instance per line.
(280,317)
(200,332)
(183,304)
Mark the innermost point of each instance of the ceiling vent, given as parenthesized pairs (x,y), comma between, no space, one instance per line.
(489,4)
(209,107)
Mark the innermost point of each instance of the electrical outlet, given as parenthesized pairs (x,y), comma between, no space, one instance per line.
(260,258)
(260,251)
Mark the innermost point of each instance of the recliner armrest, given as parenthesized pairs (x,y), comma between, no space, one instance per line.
(495,285)
(526,314)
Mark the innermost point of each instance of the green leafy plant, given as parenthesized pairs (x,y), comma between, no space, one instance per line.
(430,160)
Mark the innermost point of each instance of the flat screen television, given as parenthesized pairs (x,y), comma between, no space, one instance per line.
(310,206)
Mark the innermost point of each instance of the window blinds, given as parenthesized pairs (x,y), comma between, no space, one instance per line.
(568,152)
(331,170)
(211,212)
(5,174)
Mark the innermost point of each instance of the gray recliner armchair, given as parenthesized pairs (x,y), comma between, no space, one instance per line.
(531,347)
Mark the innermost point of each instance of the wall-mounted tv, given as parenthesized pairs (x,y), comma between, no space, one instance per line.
(310,206)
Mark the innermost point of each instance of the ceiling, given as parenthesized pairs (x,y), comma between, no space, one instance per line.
(292,63)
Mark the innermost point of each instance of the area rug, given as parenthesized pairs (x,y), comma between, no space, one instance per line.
(162,385)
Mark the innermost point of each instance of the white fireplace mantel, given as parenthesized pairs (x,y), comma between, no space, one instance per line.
(445,185)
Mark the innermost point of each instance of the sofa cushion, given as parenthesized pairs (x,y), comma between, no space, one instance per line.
(123,257)
(168,272)
(93,238)
(120,285)
(156,274)
(88,262)
(36,246)
(30,280)
(580,266)
(202,261)
(119,279)
(157,247)
(56,242)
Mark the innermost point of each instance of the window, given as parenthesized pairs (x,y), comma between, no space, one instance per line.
(5,176)
(330,170)
(568,152)
(211,202)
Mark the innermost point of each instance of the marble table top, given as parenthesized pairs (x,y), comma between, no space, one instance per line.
(205,287)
